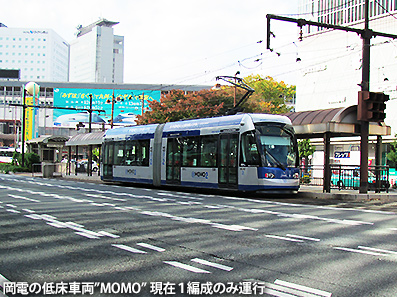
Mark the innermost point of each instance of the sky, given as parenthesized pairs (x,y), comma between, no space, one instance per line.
(185,42)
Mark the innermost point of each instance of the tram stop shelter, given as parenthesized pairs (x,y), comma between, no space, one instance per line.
(84,141)
(334,122)
(48,147)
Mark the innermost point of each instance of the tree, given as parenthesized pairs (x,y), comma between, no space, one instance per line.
(392,155)
(177,105)
(306,149)
(270,96)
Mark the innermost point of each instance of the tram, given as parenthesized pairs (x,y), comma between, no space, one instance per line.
(243,152)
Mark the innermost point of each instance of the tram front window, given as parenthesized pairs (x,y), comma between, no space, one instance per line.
(277,146)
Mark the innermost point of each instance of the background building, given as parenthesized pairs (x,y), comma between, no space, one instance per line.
(40,54)
(129,101)
(97,55)
(331,60)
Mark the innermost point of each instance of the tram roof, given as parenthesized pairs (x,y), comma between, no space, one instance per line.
(191,125)
(231,120)
(131,132)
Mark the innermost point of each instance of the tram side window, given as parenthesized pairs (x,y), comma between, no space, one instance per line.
(190,155)
(208,149)
(108,153)
(137,153)
(118,154)
(249,150)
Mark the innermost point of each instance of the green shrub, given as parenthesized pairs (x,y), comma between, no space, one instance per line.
(15,165)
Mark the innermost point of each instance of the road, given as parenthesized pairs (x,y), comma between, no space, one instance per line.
(59,236)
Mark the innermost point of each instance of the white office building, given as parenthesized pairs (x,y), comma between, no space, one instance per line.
(39,54)
(97,55)
(331,60)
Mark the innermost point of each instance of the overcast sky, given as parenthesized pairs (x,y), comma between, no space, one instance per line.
(176,41)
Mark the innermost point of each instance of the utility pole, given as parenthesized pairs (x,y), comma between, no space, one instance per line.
(366,35)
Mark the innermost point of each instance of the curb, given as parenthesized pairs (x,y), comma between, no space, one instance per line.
(384,197)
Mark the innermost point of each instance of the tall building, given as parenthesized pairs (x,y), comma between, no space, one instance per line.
(331,60)
(97,55)
(39,54)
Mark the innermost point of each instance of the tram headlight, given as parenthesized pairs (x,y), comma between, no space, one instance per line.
(269,175)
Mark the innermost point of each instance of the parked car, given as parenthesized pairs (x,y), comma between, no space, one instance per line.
(82,166)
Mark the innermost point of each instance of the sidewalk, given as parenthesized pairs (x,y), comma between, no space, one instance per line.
(346,195)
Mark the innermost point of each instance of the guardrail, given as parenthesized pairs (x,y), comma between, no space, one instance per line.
(347,177)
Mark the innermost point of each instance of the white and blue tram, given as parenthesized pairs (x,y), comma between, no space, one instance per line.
(246,152)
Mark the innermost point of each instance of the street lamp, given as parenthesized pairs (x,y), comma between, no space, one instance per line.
(32,89)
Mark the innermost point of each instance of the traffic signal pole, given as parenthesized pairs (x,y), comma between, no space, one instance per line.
(366,35)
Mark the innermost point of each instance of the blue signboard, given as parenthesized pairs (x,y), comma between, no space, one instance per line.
(127,104)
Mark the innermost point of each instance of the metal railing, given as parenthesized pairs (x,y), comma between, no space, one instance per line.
(347,177)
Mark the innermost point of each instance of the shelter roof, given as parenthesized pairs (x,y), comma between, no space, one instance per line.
(336,121)
(48,139)
(94,138)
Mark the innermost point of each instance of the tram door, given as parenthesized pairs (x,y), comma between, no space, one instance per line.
(174,158)
(107,160)
(227,166)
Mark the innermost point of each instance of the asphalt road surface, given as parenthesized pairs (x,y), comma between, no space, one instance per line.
(66,238)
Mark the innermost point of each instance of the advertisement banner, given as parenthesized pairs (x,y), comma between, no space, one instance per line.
(29,119)
(127,104)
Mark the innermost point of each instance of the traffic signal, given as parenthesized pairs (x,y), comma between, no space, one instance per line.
(371,106)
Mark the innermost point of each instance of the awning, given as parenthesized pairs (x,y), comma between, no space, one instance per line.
(45,139)
(94,138)
(336,121)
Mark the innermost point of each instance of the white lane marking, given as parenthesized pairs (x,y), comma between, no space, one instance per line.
(358,222)
(2,281)
(303,237)
(87,235)
(200,221)
(57,224)
(232,227)
(13,210)
(303,288)
(28,210)
(151,247)
(104,233)
(272,292)
(284,238)
(104,197)
(24,198)
(34,216)
(11,205)
(357,251)
(215,265)
(186,267)
(377,250)
(128,249)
